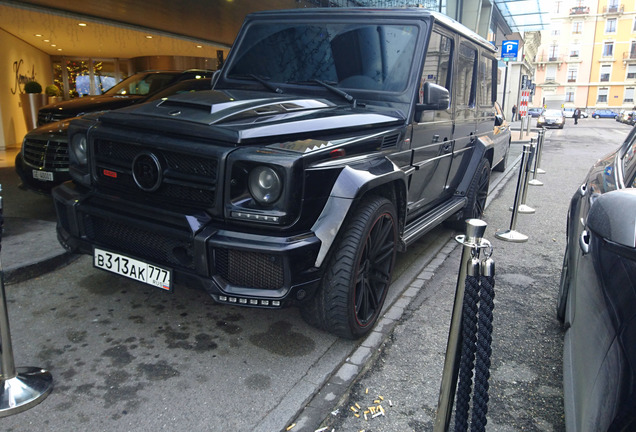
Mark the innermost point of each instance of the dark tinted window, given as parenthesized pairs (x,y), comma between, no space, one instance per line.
(465,91)
(437,63)
(355,56)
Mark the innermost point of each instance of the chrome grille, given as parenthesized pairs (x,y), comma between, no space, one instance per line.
(45,154)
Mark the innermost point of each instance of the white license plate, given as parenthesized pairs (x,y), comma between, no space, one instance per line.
(134,269)
(42,175)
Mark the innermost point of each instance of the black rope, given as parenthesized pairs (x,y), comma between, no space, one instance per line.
(483,354)
(467,359)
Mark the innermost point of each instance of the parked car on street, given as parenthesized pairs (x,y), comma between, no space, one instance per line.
(551,118)
(135,89)
(627,117)
(603,114)
(597,297)
(42,162)
(535,112)
(326,146)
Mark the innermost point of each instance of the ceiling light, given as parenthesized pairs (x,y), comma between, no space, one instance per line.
(53,45)
(46,40)
(38,35)
(148,37)
(59,49)
(199,46)
(82,24)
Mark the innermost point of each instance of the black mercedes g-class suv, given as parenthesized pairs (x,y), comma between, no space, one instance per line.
(332,139)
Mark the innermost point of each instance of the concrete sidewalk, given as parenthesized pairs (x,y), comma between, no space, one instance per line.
(403,371)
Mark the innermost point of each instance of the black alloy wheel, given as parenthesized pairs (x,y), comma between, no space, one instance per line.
(358,275)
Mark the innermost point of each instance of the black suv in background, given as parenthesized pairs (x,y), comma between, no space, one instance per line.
(333,138)
(43,160)
(133,90)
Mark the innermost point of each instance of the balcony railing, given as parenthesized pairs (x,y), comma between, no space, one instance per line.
(548,59)
(580,10)
(614,9)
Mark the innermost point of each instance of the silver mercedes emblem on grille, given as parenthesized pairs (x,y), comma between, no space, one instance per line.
(147,172)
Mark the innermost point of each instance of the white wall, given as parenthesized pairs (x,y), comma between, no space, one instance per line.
(19,61)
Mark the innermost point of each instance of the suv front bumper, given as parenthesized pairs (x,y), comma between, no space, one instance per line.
(238,267)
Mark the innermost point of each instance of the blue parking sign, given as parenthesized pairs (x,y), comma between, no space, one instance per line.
(509,49)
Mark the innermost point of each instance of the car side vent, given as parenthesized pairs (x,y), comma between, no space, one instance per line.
(390,140)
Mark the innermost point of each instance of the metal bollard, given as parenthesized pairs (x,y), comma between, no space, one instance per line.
(541,138)
(537,161)
(510,234)
(523,207)
(24,387)
(475,229)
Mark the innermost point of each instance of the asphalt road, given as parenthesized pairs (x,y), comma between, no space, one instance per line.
(128,357)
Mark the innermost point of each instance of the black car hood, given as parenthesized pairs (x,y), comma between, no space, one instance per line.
(243,117)
(87,104)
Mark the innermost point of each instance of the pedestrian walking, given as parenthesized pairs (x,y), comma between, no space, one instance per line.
(576,115)
(514,112)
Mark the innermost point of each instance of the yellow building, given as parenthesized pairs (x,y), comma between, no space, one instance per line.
(613,68)
(588,56)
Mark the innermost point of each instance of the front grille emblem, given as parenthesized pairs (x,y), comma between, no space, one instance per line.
(147,171)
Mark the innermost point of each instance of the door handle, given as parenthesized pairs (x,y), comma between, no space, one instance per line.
(584,242)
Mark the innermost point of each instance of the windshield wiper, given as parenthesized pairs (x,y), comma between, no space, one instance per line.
(337,91)
(260,79)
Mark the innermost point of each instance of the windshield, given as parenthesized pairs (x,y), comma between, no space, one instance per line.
(142,84)
(553,113)
(357,56)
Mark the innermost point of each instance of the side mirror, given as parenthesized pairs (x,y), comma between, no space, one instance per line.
(613,217)
(499,120)
(434,98)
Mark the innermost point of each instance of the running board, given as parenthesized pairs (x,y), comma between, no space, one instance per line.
(421,226)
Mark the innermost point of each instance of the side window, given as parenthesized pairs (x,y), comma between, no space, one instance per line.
(465,86)
(437,65)
(485,80)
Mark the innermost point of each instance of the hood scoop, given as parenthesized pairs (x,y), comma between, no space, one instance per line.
(233,111)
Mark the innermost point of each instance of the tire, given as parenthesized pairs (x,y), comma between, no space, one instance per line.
(476,195)
(564,288)
(358,274)
(501,166)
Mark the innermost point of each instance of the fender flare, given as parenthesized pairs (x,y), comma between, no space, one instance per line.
(352,183)
(479,153)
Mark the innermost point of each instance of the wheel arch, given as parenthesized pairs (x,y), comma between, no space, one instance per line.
(353,183)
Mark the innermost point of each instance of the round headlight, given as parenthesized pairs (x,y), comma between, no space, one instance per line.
(265,185)
(78,147)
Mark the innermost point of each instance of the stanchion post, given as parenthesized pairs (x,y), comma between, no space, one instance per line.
(475,229)
(24,387)
(541,139)
(537,161)
(523,119)
(510,234)
(523,207)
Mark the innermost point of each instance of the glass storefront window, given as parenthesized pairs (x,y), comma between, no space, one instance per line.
(74,75)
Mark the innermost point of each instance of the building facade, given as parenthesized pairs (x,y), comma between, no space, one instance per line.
(587,58)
